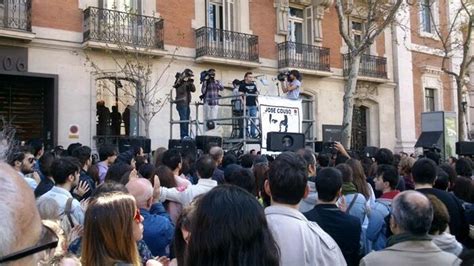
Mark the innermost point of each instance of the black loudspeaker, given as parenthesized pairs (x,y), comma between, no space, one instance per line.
(205,143)
(280,141)
(125,143)
(184,146)
(465,148)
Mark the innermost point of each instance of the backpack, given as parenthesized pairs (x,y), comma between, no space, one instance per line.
(66,219)
(386,228)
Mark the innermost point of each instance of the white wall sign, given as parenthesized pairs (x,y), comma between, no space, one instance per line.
(279,115)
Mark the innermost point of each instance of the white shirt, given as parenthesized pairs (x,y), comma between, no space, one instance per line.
(31,182)
(186,196)
(301,242)
(60,195)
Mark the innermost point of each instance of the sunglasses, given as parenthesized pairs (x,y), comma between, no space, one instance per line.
(48,240)
(137,217)
(31,160)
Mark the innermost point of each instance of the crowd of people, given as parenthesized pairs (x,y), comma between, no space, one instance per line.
(61,207)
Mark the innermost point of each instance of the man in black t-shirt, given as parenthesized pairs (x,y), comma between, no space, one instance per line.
(424,175)
(249,87)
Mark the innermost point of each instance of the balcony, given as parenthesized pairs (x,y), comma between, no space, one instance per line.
(117,30)
(308,59)
(372,68)
(15,19)
(226,47)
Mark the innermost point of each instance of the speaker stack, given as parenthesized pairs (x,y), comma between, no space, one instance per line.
(185,146)
(125,143)
(205,143)
(280,141)
(465,148)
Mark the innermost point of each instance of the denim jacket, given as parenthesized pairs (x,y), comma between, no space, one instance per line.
(158,230)
(377,229)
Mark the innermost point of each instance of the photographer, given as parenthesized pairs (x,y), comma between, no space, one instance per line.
(249,87)
(210,94)
(184,85)
(292,85)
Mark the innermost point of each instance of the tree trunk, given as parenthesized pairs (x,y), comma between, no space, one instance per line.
(349,91)
(147,128)
(461,112)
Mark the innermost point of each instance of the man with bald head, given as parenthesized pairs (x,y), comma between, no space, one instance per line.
(158,229)
(410,222)
(20,226)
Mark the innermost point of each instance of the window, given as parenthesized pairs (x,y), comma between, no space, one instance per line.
(117,107)
(357,31)
(300,25)
(221,14)
(429,17)
(426,21)
(134,6)
(295,25)
(430,105)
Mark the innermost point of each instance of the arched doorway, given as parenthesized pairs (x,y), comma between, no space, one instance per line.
(359,127)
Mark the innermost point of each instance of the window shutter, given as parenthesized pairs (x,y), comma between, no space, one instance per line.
(308,16)
(139,7)
(228,14)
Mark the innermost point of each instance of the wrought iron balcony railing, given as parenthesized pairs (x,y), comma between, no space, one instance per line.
(226,44)
(298,55)
(122,28)
(15,14)
(370,66)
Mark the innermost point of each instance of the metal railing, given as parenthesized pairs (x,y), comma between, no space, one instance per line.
(370,66)
(122,28)
(226,44)
(15,14)
(298,55)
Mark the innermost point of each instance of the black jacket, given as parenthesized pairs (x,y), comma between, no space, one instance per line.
(343,228)
(183,92)
(457,223)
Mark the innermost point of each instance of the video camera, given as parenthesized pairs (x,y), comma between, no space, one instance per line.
(186,76)
(282,76)
(207,75)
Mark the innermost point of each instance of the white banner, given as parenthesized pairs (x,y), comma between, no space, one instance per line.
(279,115)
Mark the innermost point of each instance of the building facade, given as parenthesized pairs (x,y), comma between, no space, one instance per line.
(53,93)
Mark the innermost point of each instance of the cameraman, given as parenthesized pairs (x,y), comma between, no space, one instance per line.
(210,94)
(291,86)
(249,87)
(184,85)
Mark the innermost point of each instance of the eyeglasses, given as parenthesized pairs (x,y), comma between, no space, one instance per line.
(31,160)
(137,217)
(48,240)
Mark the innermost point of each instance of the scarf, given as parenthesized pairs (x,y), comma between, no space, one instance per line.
(348,188)
(396,239)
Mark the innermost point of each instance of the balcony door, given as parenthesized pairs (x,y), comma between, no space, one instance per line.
(300,33)
(220,20)
(14,14)
(127,24)
(128,6)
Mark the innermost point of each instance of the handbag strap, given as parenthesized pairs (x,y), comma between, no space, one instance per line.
(68,211)
(352,203)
